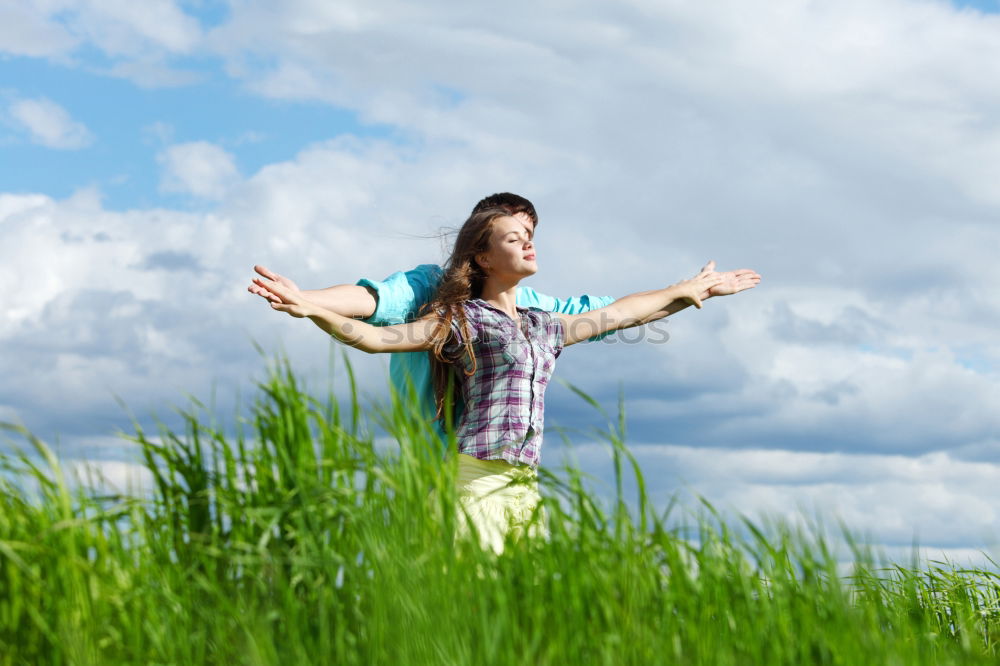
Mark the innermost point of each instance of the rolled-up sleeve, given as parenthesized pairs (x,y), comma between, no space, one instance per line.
(554,333)
(454,348)
(401,295)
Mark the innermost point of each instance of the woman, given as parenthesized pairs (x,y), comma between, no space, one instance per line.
(505,355)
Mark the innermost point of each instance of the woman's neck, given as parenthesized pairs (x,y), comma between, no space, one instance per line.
(501,294)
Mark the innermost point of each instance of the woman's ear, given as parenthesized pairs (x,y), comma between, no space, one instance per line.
(483,263)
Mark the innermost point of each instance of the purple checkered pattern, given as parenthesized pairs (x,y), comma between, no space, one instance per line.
(505,398)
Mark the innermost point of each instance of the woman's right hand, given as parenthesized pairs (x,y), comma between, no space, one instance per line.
(265,288)
(285,298)
(693,290)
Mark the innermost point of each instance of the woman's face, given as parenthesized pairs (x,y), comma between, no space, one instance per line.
(511,253)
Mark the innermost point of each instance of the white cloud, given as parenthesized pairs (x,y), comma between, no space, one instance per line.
(151,305)
(49,124)
(26,30)
(153,73)
(100,313)
(934,500)
(198,168)
(139,38)
(110,476)
(128,28)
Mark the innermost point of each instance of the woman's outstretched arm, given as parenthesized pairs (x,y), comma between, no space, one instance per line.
(415,336)
(635,308)
(350,300)
(733,282)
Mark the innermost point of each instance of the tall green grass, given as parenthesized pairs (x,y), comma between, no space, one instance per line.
(295,540)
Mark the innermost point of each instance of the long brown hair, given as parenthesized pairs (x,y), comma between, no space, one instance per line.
(463,280)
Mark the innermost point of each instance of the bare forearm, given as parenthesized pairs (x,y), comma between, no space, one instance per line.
(648,306)
(284,296)
(350,331)
(626,312)
(346,300)
(414,336)
(672,308)
(645,306)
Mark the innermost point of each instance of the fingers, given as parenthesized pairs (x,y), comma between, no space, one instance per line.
(270,275)
(293,310)
(746,274)
(281,294)
(260,291)
(744,283)
(742,272)
(707,268)
(264,289)
(275,289)
(270,291)
(710,279)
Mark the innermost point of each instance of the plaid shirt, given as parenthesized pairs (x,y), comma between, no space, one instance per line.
(504,399)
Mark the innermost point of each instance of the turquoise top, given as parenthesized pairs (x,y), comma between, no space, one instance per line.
(400,297)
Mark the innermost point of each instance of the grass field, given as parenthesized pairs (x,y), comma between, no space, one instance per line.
(294,540)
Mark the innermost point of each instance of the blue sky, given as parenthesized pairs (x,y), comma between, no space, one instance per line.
(131,124)
(151,154)
(986,6)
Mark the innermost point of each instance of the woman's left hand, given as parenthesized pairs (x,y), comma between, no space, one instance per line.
(694,290)
(289,300)
(733,282)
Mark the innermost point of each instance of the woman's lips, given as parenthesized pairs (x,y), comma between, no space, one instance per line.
(529,257)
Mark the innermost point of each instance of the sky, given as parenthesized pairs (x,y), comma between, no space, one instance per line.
(849,151)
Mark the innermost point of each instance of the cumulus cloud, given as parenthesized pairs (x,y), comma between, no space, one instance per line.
(49,124)
(151,305)
(26,30)
(935,501)
(99,314)
(120,27)
(110,476)
(138,38)
(198,168)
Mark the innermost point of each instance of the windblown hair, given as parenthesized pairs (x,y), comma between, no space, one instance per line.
(463,280)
